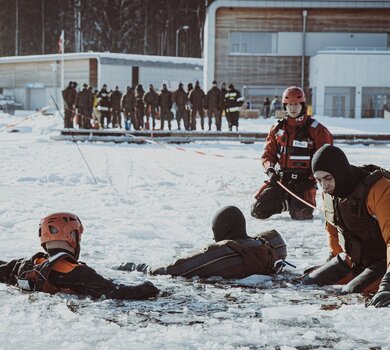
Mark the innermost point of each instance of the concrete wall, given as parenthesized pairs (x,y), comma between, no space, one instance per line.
(121,75)
(115,75)
(171,76)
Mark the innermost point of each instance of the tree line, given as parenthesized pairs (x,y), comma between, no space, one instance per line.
(31,27)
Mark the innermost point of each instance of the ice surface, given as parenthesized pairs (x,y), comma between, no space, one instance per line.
(154,204)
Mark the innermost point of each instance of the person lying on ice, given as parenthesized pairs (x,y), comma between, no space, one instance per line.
(59,269)
(234,255)
(357,215)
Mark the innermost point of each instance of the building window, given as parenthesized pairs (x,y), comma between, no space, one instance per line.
(249,43)
(340,102)
(375,101)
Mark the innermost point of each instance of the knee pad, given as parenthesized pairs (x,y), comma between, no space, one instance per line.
(298,213)
(332,272)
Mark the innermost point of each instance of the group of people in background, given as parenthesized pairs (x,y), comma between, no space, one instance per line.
(139,109)
(271,108)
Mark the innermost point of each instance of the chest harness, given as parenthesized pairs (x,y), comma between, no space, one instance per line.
(33,275)
(359,232)
(295,151)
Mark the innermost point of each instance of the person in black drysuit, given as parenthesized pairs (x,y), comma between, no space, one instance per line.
(69,96)
(58,270)
(233,102)
(115,101)
(104,106)
(214,103)
(234,255)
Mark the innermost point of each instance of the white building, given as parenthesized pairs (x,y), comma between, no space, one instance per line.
(350,82)
(264,46)
(34,79)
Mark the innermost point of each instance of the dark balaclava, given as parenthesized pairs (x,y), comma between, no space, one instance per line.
(333,160)
(229,223)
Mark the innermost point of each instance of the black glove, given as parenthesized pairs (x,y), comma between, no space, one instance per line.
(142,291)
(142,268)
(159,271)
(382,296)
(273,175)
(130,266)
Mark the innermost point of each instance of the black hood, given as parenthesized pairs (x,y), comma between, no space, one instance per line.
(333,160)
(229,223)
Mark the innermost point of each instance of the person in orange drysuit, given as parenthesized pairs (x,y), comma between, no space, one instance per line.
(288,150)
(357,207)
(58,270)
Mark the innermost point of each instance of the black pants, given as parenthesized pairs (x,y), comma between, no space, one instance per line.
(68,119)
(272,199)
(165,115)
(181,113)
(116,118)
(233,118)
(217,115)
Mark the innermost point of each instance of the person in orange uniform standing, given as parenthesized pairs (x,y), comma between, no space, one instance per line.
(288,150)
(357,207)
(58,270)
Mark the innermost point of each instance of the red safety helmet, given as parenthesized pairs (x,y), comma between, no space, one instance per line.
(293,94)
(61,227)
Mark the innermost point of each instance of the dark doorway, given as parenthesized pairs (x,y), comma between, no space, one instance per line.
(135,76)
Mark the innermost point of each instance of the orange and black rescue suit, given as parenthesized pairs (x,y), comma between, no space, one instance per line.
(290,145)
(359,231)
(62,273)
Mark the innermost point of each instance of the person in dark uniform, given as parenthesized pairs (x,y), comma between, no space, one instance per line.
(115,101)
(83,105)
(58,270)
(128,108)
(165,104)
(197,98)
(180,97)
(234,255)
(139,105)
(223,107)
(104,106)
(214,105)
(69,96)
(151,106)
(233,102)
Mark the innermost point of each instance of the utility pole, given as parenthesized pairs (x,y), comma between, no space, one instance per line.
(43,25)
(304,17)
(146,27)
(17,28)
(77,25)
(185,28)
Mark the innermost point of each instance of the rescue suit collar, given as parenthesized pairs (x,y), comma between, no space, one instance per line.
(56,251)
(298,121)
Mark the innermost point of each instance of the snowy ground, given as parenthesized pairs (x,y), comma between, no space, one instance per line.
(154,204)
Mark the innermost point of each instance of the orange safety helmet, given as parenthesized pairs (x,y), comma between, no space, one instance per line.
(61,227)
(293,94)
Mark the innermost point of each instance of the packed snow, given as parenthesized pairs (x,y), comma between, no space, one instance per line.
(154,203)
